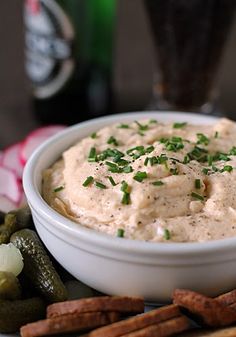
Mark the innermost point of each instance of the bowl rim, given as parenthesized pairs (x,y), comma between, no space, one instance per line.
(81,232)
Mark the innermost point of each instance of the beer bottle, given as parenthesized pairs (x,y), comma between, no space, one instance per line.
(69,46)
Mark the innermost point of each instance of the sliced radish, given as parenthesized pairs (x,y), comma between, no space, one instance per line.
(6,205)
(36,138)
(10,185)
(11,159)
(1,154)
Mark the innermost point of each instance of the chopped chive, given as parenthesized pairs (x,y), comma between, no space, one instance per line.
(92,155)
(223,157)
(172,144)
(88,181)
(209,159)
(149,149)
(112,140)
(113,167)
(140,176)
(179,125)
(142,127)
(123,126)
(216,134)
(158,183)
(227,168)
(125,199)
(120,233)
(214,168)
(93,135)
(112,181)
(58,189)
(197,183)
(152,121)
(233,151)
(126,196)
(202,139)
(141,133)
(198,154)
(197,196)
(186,159)
(100,185)
(166,234)
(146,161)
(174,171)
(127,169)
(124,187)
(119,161)
(205,170)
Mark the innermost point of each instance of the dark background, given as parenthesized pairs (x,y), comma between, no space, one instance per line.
(133,67)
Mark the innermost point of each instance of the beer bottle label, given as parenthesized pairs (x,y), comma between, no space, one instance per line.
(49,37)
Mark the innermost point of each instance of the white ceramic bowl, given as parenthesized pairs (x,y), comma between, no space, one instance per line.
(121,266)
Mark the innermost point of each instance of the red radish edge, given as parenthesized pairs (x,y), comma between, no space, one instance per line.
(11,159)
(10,185)
(39,135)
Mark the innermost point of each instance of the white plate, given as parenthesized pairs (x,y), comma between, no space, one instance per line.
(166,117)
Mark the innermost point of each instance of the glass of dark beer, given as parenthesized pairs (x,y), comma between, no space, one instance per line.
(189,39)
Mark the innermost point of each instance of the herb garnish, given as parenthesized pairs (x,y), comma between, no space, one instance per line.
(59,188)
(210,159)
(202,139)
(197,196)
(179,125)
(93,135)
(233,151)
(205,170)
(120,233)
(142,127)
(123,126)
(227,168)
(127,169)
(173,144)
(199,154)
(216,134)
(140,176)
(138,151)
(197,183)
(126,190)
(112,140)
(92,157)
(152,121)
(162,159)
(88,181)
(114,168)
(112,181)
(166,234)
(100,185)
(174,171)
(157,183)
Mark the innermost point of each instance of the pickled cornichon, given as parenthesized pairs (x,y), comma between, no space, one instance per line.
(14,314)
(14,221)
(2,216)
(37,266)
(10,288)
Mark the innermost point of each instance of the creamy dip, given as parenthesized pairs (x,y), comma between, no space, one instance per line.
(150,181)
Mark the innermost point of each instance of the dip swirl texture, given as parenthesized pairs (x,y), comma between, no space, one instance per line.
(150,181)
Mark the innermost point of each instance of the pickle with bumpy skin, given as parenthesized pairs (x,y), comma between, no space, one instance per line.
(14,314)
(38,268)
(10,288)
(14,221)
(2,216)
(23,217)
